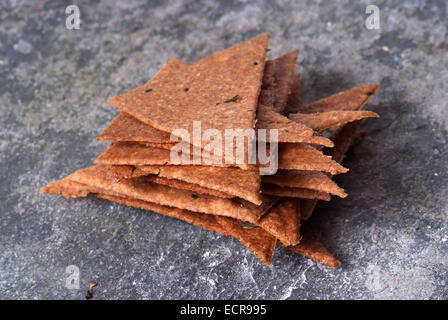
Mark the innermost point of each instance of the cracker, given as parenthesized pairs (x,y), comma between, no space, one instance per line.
(191,149)
(291,156)
(121,172)
(131,153)
(283,221)
(288,130)
(353,99)
(127,128)
(344,139)
(301,193)
(178,184)
(344,136)
(221,90)
(66,188)
(314,180)
(258,241)
(141,189)
(244,184)
(277,81)
(293,104)
(304,157)
(320,121)
(310,247)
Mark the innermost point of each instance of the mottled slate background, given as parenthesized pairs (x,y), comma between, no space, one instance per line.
(390,234)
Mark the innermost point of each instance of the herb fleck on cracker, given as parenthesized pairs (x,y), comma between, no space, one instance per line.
(235,98)
(248,225)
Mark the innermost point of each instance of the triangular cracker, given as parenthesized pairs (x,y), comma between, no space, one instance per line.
(130,153)
(127,128)
(353,99)
(283,221)
(244,184)
(277,81)
(288,130)
(179,184)
(301,193)
(304,157)
(290,156)
(221,90)
(314,180)
(314,249)
(320,121)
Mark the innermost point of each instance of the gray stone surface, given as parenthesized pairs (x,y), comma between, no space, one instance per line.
(391,233)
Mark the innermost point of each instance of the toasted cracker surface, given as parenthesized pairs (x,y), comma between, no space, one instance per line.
(127,128)
(244,184)
(288,130)
(179,184)
(131,153)
(283,221)
(68,189)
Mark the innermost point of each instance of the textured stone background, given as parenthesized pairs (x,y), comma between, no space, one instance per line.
(391,233)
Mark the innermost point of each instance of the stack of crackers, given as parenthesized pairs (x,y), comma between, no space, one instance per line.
(236,88)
